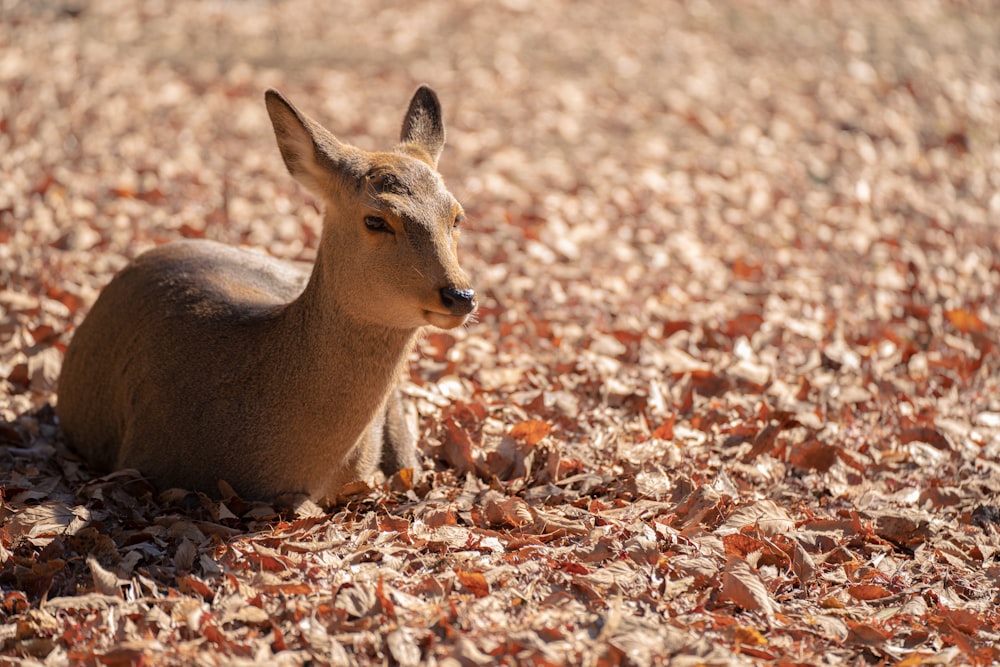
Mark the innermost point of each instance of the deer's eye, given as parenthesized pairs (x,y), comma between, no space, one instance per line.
(459,219)
(377,224)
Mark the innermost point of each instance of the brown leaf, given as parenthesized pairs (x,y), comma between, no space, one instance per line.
(402,480)
(739,545)
(699,505)
(927,434)
(803,565)
(764,442)
(512,512)
(185,555)
(744,324)
(191,585)
(865,634)
(290,588)
(812,455)
(964,620)
(902,529)
(456,449)
(743,586)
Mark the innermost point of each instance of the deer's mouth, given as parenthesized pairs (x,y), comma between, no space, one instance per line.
(444,320)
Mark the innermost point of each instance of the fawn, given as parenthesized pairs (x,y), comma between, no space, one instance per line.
(201,362)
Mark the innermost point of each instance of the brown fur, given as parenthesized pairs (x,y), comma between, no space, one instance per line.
(202,362)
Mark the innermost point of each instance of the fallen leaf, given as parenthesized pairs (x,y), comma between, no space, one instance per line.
(743,586)
(868,592)
(765,515)
(474,582)
(530,431)
(965,321)
(106,583)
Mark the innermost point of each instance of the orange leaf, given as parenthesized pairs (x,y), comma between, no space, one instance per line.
(965,321)
(287,589)
(831,603)
(868,592)
(474,582)
(572,567)
(744,324)
(748,636)
(739,545)
(438,518)
(764,442)
(402,480)
(394,524)
(388,608)
(216,636)
(531,431)
(665,431)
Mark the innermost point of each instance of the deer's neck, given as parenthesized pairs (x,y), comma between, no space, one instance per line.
(343,369)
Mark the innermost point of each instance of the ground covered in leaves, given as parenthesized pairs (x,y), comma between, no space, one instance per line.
(732,395)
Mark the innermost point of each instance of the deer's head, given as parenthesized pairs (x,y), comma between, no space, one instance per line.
(389,246)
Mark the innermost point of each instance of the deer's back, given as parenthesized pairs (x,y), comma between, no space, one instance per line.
(175,328)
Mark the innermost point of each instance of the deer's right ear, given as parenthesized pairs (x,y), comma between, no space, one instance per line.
(311,153)
(423,127)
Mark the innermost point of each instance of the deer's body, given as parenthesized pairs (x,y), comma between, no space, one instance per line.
(202,362)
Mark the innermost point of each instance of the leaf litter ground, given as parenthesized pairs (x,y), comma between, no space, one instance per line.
(733,392)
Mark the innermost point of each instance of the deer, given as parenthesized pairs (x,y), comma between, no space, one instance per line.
(209,367)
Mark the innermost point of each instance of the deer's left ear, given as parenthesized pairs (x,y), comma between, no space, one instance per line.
(311,153)
(423,127)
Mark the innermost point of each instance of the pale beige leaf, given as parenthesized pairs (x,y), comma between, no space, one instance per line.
(105,582)
(403,647)
(764,515)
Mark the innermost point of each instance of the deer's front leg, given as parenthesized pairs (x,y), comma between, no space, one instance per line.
(399,444)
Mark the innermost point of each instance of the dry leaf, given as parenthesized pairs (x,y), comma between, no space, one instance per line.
(676,265)
(812,455)
(474,582)
(868,592)
(803,565)
(512,512)
(866,634)
(106,583)
(531,431)
(765,515)
(742,586)
(185,555)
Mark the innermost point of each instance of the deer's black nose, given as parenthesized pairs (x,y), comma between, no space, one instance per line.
(458,301)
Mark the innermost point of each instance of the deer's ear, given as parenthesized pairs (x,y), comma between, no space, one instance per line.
(311,153)
(423,127)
